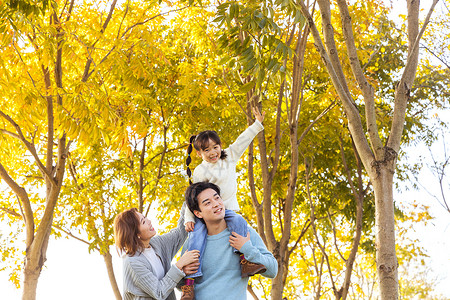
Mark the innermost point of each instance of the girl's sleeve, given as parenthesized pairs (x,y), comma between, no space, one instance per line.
(256,252)
(149,283)
(197,176)
(188,216)
(200,174)
(236,149)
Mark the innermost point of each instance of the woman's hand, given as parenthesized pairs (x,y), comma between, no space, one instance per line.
(258,115)
(187,258)
(189,226)
(237,241)
(191,268)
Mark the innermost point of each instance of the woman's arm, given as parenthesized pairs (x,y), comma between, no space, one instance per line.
(172,241)
(138,275)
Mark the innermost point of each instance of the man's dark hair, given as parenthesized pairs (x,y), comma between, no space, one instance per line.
(194,190)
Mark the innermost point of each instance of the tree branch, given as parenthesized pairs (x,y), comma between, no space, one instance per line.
(308,171)
(11,212)
(364,85)
(354,120)
(28,73)
(68,233)
(323,113)
(86,72)
(29,146)
(159,176)
(10,134)
(23,197)
(331,49)
(402,93)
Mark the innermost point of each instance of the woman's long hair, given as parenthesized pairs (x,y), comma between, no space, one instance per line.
(126,230)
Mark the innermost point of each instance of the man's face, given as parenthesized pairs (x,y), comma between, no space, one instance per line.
(211,206)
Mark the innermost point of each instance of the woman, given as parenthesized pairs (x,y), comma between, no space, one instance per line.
(147,269)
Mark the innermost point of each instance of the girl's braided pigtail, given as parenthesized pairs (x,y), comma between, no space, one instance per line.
(188,159)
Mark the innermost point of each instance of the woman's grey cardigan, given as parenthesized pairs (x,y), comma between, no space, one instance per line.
(139,280)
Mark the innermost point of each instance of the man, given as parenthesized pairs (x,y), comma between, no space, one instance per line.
(220,265)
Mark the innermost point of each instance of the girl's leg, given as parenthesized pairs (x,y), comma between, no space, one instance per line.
(236,222)
(197,241)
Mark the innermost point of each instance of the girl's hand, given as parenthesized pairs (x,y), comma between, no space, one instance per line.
(189,226)
(237,241)
(258,115)
(191,268)
(187,258)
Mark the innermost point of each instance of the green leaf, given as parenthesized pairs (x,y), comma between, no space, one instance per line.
(260,78)
(224,60)
(271,64)
(276,67)
(298,17)
(218,19)
(232,10)
(250,65)
(247,51)
(247,87)
(262,23)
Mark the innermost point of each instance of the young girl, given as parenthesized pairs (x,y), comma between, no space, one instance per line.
(219,167)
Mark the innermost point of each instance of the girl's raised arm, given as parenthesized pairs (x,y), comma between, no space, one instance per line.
(258,115)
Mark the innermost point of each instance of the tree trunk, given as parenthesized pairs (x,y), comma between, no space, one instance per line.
(112,278)
(387,265)
(277,282)
(31,277)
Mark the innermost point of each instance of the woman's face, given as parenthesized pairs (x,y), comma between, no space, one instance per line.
(146,230)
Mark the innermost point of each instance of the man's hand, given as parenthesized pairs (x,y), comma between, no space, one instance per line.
(237,241)
(189,226)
